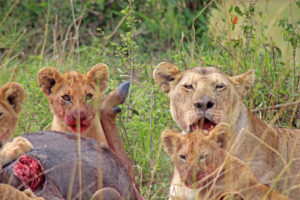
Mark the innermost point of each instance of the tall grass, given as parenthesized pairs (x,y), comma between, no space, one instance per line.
(132,39)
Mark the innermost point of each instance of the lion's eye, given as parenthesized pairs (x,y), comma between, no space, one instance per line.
(220,86)
(89,96)
(66,98)
(1,115)
(183,157)
(188,86)
(202,157)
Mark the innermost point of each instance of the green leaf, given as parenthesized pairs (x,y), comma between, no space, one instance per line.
(238,10)
(298,3)
(230,9)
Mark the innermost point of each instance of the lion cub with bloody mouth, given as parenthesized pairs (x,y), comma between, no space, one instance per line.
(205,170)
(76,101)
(74,98)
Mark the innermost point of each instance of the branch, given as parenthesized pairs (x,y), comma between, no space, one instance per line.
(277,106)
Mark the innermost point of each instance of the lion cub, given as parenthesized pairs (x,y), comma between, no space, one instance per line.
(11,101)
(74,98)
(205,170)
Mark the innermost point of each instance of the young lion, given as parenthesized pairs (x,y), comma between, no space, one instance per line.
(75,99)
(205,170)
(11,101)
(203,97)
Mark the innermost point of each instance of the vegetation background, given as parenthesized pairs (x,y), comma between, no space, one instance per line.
(132,37)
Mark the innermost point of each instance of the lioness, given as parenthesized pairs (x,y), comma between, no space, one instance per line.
(203,97)
(205,170)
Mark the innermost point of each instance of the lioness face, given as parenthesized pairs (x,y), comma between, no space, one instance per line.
(74,97)
(197,155)
(11,101)
(202,97)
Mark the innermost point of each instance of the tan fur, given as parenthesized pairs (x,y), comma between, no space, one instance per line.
(11,101)
(107,193)
(78,87)
(267,149)
(8,193)
(204,170)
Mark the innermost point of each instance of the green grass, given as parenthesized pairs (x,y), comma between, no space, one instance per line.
(151,34)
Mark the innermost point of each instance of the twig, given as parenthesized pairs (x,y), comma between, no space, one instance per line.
(44,43)
(277,106)
(127,140)
(11,50)
(294,46)
(76,26)
(9,11)
(230,53)
(230,40)
(116,29)
(55,50)
(151,116)
(193,28)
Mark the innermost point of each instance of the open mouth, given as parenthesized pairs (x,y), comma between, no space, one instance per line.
(203,179)
(203,124)
(81,128)
(200,180)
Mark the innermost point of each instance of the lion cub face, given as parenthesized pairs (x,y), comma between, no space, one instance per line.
(11,101)
(197,155)
(202,97)
(74,97)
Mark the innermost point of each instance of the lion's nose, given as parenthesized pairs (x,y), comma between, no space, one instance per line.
(204,104)
(81,116)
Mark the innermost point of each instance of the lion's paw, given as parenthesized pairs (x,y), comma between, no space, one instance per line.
(22,145)
(31,195)
(14,149)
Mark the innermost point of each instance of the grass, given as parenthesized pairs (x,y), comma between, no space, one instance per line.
(43,36)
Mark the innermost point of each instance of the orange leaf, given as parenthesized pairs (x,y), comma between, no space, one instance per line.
(235,20)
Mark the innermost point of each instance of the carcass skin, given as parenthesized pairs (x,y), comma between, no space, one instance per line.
(58,154)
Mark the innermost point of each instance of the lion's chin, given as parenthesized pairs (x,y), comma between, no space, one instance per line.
(201,180)
(81,129)
(203,124)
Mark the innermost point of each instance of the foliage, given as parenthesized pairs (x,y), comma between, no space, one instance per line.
(132,37)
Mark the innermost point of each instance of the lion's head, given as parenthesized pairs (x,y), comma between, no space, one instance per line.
(203,97)
(11,101)
(73,96)
(197,155)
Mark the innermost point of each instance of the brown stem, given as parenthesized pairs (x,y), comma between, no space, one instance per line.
(277,106)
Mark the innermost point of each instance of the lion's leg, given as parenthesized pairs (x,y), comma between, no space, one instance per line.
(8,193)
(107,193)
(12,150)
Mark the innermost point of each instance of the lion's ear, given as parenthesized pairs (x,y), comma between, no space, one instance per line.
(221,134)
(164,74)
(99,74)
(244,82)
(171,141)
(47,78)
(14,94)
